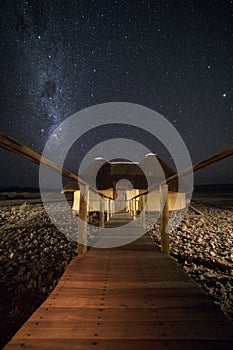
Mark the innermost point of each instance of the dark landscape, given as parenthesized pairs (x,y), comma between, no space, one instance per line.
(116,81)
(34,253)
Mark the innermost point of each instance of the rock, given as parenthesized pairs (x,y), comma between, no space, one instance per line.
(202,246)
(183,228)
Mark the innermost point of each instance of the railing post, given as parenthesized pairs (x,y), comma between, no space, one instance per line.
(82,220)
(140,208)
(108,208)
(143,211)
(102,212)
(131,207)
(164,218)
(134,208)
(112,207)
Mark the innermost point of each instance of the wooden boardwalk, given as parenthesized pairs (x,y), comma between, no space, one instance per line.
(130,297)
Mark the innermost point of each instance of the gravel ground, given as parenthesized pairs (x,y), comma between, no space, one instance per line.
(203,246)
(34,253)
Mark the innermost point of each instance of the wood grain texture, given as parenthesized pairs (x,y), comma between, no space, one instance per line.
(129,297)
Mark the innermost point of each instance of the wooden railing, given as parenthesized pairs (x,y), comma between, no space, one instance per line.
(12,145)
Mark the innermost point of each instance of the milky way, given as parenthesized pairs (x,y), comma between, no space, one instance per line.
(58,57)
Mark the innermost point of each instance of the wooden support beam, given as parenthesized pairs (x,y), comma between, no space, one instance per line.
(131,207)
(102,212)
(164,217)
(143,211)
(140,204)
(108,208)
(82,220)
(112,207)
(134,208)
(142,208)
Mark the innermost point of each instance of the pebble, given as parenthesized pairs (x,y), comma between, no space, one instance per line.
(203,246)
(34,253)
(33,256)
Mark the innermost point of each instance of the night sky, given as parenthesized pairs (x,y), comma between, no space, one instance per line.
(58,57)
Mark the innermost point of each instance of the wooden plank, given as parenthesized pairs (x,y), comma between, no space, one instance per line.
(158,330)
(76,344)
(133,302)
(123,314)
(130,297)
(127,293)
(119,285)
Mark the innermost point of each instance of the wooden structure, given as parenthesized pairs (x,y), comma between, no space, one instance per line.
(107,175)
(128,298)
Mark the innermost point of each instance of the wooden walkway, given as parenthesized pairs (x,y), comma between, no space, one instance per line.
(131,297)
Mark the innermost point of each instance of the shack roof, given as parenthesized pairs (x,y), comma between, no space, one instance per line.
(145,175)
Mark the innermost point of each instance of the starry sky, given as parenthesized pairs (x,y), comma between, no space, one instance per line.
(59,57)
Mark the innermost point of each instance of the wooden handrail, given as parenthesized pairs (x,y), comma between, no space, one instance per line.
(10,144)
(202,164)
(17,147)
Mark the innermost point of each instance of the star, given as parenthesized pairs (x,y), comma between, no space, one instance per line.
(55,63)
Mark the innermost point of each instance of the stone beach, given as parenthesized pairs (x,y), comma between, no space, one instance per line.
(203,245)
(34,253)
